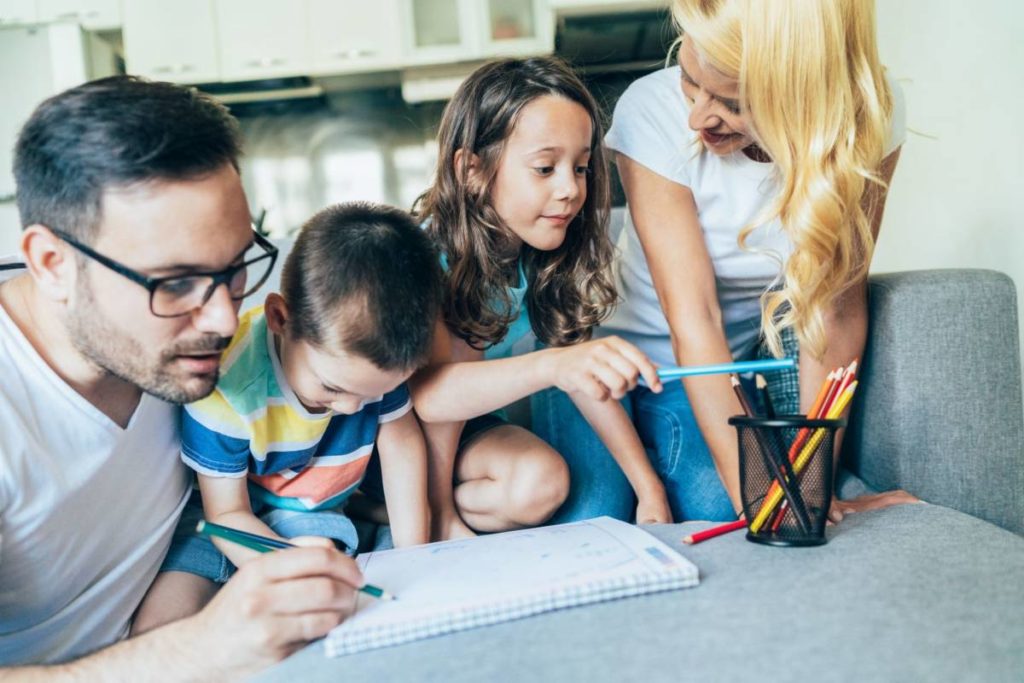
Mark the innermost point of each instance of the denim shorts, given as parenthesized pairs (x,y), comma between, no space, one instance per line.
(197,555)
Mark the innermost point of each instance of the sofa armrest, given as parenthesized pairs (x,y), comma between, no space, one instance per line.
(939,412)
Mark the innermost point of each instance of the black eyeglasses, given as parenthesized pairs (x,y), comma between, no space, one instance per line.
(177,295)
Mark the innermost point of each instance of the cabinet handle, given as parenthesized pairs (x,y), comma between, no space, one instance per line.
(355,53)
(266,61)
(174,68)
(68,15)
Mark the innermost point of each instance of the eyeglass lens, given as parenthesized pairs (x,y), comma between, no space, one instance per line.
(181,295)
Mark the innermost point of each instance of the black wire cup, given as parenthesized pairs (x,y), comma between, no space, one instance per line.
(794,511)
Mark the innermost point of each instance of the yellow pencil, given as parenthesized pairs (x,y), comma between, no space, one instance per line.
(768,506)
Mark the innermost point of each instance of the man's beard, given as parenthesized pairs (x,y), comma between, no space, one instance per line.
(125,358)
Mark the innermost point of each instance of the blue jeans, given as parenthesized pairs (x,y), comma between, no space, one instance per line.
(669,432)
(675,446)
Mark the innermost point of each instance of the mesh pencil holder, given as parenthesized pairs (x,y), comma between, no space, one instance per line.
(786,477)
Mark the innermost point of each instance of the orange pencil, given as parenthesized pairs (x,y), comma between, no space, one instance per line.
(818,408)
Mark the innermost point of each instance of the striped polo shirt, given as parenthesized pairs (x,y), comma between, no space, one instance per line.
(253,424)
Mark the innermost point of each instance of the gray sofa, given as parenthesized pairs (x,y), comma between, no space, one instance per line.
(917,592)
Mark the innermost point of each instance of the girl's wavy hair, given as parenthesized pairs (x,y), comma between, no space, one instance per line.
(570,288)
(810,77)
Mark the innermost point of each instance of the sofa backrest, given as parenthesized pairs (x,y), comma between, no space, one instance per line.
(940,411)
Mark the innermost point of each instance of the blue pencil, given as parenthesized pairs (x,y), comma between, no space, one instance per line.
(722,368)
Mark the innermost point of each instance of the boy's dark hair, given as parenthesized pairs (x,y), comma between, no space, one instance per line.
(365,279)
(115,132)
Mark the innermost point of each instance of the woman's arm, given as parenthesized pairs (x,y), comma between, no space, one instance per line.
(666,221)
(846,328)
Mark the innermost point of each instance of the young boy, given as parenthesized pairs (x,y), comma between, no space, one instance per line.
(311,380)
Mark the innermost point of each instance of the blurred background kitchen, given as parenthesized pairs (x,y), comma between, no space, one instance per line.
(340,99)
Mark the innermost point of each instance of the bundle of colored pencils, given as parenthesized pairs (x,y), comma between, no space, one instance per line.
(833,398)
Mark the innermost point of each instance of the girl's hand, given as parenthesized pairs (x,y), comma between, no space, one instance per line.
(653,509)
(602,368)
(876,501)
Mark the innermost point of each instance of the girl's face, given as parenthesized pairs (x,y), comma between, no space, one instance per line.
(541,182)
(714,105)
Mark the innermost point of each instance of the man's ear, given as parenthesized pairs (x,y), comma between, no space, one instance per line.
(50,262)
(276,311)
(468,163)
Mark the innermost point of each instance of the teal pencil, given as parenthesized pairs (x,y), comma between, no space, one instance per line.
(262,544)
(722,368)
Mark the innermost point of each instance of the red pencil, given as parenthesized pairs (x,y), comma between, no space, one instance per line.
(715,531)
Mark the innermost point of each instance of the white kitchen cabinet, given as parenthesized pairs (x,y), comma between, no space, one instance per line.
(35,63)
(91,14)
(516,27)
(262,38)
(574,7)
(443,31)
(171,41)
(350,36)
(18,12)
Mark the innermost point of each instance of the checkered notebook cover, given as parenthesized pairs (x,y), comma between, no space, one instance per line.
(457,585)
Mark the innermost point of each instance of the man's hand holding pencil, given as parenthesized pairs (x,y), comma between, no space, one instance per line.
(273,606)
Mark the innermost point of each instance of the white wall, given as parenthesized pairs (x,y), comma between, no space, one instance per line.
(956,200)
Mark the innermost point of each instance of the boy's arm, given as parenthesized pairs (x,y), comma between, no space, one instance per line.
(226,502)
(403,462)
(611,423)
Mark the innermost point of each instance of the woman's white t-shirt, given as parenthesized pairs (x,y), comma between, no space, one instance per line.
(650,127)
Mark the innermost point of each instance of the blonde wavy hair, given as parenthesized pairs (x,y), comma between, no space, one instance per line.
(818,103)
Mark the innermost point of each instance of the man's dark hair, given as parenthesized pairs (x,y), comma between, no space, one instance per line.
(364,279)
(115,132)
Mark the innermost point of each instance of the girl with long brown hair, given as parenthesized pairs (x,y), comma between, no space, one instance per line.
(519,210)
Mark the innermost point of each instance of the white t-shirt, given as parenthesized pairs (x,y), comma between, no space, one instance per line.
(650,127)
(87,509)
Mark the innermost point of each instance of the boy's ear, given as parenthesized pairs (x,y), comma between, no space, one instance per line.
(276,312)
(469,163)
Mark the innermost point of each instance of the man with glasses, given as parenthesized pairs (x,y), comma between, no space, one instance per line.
(136,252)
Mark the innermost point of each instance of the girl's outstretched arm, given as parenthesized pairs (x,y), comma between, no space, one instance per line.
(462,389)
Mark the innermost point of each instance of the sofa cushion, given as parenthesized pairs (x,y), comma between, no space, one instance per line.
(939,411)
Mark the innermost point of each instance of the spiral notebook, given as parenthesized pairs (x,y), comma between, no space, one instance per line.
(464,584)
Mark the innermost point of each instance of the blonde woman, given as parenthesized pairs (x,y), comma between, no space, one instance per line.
(755,169)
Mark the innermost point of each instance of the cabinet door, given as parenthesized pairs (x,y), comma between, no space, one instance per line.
(92,14)
(442,31)
(17,12)
(348,36)
(171,41)
(262,38)
(517,27)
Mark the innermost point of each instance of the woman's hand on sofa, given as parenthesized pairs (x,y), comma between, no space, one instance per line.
(874,501)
